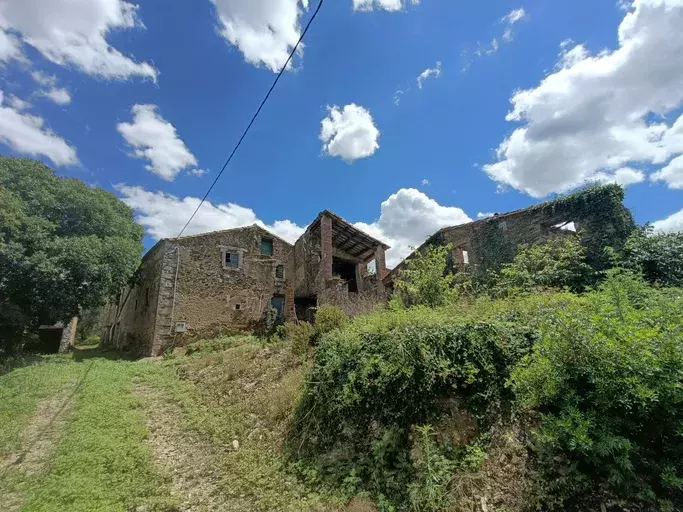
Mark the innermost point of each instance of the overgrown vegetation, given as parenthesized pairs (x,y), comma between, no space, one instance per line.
(582,365)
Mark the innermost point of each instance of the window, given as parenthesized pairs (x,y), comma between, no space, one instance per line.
(238,307)
(267,246)
(280,272)
(136,304)
(232,259)
(465,258)
(180,327)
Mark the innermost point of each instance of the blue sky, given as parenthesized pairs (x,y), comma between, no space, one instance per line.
(518,101)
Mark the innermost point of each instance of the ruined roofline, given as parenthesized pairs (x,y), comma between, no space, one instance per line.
(347,225)
(502,216)
(218,231)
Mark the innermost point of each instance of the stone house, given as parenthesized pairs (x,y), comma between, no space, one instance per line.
(596,214)
(232,280)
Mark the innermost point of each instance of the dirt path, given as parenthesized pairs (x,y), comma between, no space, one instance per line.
(38,443)
(188,460)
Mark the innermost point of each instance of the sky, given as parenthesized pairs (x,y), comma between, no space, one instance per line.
(402,116)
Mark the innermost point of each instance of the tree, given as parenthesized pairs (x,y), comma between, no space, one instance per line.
(559,262)
(658,256)
(64,246)
(425,279)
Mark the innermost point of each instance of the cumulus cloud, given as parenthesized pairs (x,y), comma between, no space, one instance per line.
(672,173)
(74,32)
(265,31)
(155,139)
(10,47)
(349,133)
(672,224)
(197,172)
(386,5)
(27,134)
(49,88)
(407,218)
(596,114)
(484,215)
(624,176)
(164,215)
(59,95)
(17,103)
(428,73)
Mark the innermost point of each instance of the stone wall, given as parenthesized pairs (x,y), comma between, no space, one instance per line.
(130,322)
(211,297)
(66,344)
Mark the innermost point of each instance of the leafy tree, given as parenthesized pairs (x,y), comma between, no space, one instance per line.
(658,256)
(64,246)
(560,262)
(425,280)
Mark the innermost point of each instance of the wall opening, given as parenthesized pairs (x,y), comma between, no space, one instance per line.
(304,307)
(347,271)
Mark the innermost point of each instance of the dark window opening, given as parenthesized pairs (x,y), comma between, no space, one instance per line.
(232,259)
(304,308)
(267,246)
(347,271)
(136,304)
(280,272)
(278,303)
(238,306)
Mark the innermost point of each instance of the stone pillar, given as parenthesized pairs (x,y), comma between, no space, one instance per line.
(326,246)
(290,312)
(68,336)
(380,262)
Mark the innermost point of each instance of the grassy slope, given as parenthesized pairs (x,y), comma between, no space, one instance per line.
(101,462)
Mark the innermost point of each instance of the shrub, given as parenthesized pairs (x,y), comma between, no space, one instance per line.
(560,262)
(366,390)
(425,280)
(606,380)
(658,256)
(329,318)
(300,335)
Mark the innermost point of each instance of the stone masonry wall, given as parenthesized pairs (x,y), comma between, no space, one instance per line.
(210,297)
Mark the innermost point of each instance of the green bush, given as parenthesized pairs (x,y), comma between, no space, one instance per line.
(606,380)
(425,280)
(560,262)
(329,318)
(300,335)
(367,389)
(658,256)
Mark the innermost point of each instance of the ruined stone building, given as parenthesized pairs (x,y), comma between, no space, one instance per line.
(597,215)
(231,280)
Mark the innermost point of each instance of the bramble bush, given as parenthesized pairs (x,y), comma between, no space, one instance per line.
(606,379)
(425,280)
(659,256)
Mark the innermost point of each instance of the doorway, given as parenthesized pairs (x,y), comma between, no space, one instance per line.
(347,271)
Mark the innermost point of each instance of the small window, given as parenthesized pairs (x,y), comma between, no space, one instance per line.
(136,304)
(232,259)
(465,258)
(180,327)
(267,246)
(280,272)
(238,307)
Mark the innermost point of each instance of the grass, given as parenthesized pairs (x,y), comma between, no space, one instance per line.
(228,390)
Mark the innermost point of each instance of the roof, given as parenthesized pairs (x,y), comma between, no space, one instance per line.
(229,230)
(349,238)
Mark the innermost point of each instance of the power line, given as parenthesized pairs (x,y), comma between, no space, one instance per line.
(258,111)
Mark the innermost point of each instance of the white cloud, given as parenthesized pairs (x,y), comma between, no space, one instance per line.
(59,95)
(593,115)
(49,88)
(10,47)
(488,49)
(17,103)
(624,176)
(407,218)
(425,182)
(397,97)
(429,72)
(155,139)
(672,174)
(73,32)
(197,172)
(387,5)
(486,215)
(265,31)
(164,215)
(514,16)
(672,224)
(27,134)
(349,133)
